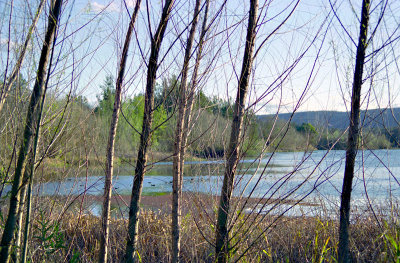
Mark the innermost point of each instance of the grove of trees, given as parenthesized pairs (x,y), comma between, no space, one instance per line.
(92,89)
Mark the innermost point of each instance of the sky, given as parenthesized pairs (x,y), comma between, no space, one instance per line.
(91,36)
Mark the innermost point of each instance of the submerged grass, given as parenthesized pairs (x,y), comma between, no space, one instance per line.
(155,193)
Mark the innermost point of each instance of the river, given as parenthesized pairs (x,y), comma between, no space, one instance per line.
(312,176)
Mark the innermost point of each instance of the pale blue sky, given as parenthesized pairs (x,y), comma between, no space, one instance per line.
(94,50)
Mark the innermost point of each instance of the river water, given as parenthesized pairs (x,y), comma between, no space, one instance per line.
(314,177)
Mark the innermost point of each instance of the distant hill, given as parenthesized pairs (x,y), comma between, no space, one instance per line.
(340,120)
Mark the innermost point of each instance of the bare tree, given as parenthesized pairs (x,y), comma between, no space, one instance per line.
(178,157)
(7,84)
(22,198)
(111,139)
(193,85)
(145,136)
(221,243)
(29,174)
(353,137)
(31,119)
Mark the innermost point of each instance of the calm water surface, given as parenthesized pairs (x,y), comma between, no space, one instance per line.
(316,177)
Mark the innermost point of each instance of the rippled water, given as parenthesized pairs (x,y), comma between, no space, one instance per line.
(315,176)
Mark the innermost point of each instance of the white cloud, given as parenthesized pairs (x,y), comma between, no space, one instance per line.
(111,7)
(130,3)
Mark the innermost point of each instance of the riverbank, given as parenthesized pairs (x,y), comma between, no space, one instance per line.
(72,237)
(60,168)
(65,229)
(191,203)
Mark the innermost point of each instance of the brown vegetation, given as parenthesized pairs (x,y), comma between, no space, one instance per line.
(301,239)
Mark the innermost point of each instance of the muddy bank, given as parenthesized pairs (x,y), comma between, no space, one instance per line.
(191,203)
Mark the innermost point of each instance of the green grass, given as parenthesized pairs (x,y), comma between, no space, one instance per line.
(155,193)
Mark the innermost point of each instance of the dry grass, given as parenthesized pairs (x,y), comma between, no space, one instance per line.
(76,239)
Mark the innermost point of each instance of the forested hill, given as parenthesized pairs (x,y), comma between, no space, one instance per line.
(340,120)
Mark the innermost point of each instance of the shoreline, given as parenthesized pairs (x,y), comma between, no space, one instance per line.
(191,203)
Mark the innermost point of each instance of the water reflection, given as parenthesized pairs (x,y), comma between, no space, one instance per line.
(317,175)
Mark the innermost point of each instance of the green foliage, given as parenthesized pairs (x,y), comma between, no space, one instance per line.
(133,110)
(75,257)
(320,244)
(12,117)
(253,141)
(82,102)
(107,97)
(306,136)
(214,105)
(167,94)
(285,137)
(391,239)
(48,234)
(333,138)
(203,102)
(3,176)
(374,139)
(18,89)
(393,136)
(307,128)
(209,135)
(139,257)
(222,107)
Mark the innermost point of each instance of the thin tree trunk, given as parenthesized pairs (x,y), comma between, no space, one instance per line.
(15,253)
(352,142)
(30,174)
(25,198)
(178,158)
(22,196)
(28,214)
(222,235)
(31,118)
(193,86)
(132,238)
(15,72)
(105,220)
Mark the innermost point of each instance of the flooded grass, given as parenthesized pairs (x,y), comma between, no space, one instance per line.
(69,200)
